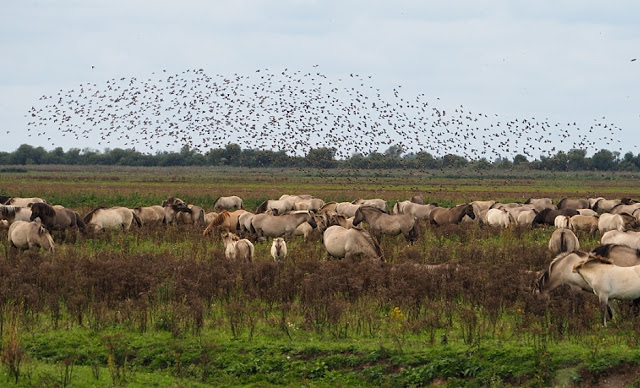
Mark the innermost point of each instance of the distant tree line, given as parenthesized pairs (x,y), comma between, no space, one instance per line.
(325,158)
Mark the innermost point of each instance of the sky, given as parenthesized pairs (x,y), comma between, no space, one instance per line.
(541,76)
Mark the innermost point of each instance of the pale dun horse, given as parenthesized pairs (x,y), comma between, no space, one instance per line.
(26,235)
(609,281)
(278,249)
(236,248)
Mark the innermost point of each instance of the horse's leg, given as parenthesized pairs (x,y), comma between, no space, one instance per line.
(604,307)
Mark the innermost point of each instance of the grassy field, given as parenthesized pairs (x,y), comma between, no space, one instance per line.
(161,306)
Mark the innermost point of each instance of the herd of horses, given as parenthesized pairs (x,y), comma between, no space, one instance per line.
(611,270)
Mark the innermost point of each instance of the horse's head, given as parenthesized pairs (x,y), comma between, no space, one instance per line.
(469,212)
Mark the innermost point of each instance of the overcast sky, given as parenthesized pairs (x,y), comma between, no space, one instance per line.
(565,61)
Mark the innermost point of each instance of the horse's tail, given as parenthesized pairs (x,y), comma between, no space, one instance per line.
(563,242)
(80,223)
(136,219)
(414,233)
(561,203)
(374,243)
(241,204)
(263,207)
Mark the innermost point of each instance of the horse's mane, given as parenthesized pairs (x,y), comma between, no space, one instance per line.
(42,209)
(559,204)
(89,215)
(592,259)
(4,199)
(373,242)
(605,250)
(8,211)
(263,207)
(219,220)
(216,201)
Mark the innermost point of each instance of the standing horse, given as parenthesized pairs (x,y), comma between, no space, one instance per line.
(157,214)
(278,249)
(350,244)
(382,223)
(630,238)
(26,235)
(116,217)
(442,216)
(279,206)
(609,281)
(265,225)
(417,210)
(500,217)
(548,216)
(60,219)
(228,203)
(563,240)
(23,202)
(14,213)
(568,203)
(374,202)
(236,248)
(347,209)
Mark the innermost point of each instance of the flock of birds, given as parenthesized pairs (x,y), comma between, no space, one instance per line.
(292,111)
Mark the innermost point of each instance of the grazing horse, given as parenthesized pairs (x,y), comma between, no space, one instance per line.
(548,216)
(266,225)
(345,243)
(526,217)
(23,202)
(629,238)
(375,202)
(160,214)
(14,213)
(604,205)
(278,206)
(228,203)
(236,248)
(568,203)
(116,217)
(442,216)
(278,249)
(417,210)
(624,256)
(193,214)
(26,235)
(382,223)
(563,240)
(539,203)
(584,223)
(60,219)
(347,209)
(609,281)
(311,204)
(625,208)
(500,217)
(226,220)
(621,222)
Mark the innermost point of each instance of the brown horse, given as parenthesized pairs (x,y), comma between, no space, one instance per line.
(442,216)
(60,220)
(225,220)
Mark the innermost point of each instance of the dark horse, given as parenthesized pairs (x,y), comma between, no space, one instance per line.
(548,216)
(60,219)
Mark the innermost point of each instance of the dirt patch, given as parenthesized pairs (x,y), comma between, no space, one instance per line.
(622,375)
